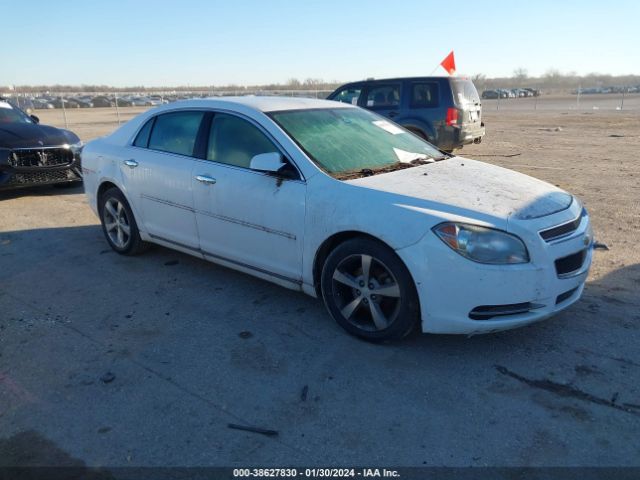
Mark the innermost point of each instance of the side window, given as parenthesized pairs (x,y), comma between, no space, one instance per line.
(348,95)
(235,141)
(142,140)
(176,132)
(424,95)
(385,96)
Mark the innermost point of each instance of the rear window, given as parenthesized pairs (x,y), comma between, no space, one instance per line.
(464,92)
(142,140)
(383,96)
(176,132)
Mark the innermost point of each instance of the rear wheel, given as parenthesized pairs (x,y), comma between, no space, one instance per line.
(369,291)
(419,133)
(118,224)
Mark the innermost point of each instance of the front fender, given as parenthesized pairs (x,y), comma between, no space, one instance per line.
(342,207)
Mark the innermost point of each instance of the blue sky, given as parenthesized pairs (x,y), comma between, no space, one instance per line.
(200,42)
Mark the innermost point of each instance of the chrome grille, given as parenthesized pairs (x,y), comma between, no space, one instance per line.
(41,157)
(43,176)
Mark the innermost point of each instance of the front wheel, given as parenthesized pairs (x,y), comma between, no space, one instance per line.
(369,291)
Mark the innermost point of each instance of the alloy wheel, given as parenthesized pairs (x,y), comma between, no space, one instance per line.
(116,223)
(368,293)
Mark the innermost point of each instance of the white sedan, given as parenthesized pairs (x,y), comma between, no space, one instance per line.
(340,203)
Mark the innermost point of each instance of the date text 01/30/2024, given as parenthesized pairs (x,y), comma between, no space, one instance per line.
(315,473)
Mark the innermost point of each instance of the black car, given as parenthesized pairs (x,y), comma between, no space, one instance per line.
(102,101)
(33,154)
(446,111)
(491,94)
(64,102)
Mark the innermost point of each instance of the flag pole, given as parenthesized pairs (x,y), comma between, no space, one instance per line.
(434,70)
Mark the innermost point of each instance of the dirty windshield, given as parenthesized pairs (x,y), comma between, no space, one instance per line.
(351,142)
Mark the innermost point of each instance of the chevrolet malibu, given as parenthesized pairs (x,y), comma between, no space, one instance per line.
(342,204)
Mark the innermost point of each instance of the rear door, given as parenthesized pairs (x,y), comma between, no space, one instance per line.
(384,99)
(427,111)
(158,177)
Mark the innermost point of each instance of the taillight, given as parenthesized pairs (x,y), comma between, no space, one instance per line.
(452,116)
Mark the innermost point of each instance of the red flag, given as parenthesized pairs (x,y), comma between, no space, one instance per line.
(449,64)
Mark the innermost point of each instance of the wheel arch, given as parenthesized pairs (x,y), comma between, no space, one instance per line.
(329,244)
(421,129)
(105,185)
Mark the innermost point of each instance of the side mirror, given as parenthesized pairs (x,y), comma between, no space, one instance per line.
(34,118)
(267,162)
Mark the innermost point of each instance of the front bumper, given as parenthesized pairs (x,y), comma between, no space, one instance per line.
(453,289)
(19,176)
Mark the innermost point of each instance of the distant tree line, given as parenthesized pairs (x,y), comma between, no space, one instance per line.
(291,84)
(552,80)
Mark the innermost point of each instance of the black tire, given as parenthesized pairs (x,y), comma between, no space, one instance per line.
(420,133)
(122,217)
(342,284)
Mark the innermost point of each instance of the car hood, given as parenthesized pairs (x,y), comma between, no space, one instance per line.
(472,187)
(31,135)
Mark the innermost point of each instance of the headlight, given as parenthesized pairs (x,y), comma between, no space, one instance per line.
(481,244)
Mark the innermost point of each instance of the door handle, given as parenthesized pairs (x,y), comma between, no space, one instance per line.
(393,114)
(206,179)
(131,163)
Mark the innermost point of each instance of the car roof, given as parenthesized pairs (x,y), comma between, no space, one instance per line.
(252,106)
(402,79)
(256,103)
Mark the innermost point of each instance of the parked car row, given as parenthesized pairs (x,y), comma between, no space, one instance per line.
(88,101)
(614,89)
(355,206)
(511,93)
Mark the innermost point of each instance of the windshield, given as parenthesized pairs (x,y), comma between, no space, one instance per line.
(346,140)
(10,114)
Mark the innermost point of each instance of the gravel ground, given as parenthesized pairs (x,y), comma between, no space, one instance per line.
(114,361)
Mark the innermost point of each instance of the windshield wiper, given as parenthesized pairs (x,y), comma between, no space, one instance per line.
(368,172)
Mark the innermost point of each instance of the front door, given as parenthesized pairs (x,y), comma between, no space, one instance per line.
(251,219)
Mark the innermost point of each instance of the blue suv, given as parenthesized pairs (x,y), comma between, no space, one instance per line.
(446,111)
